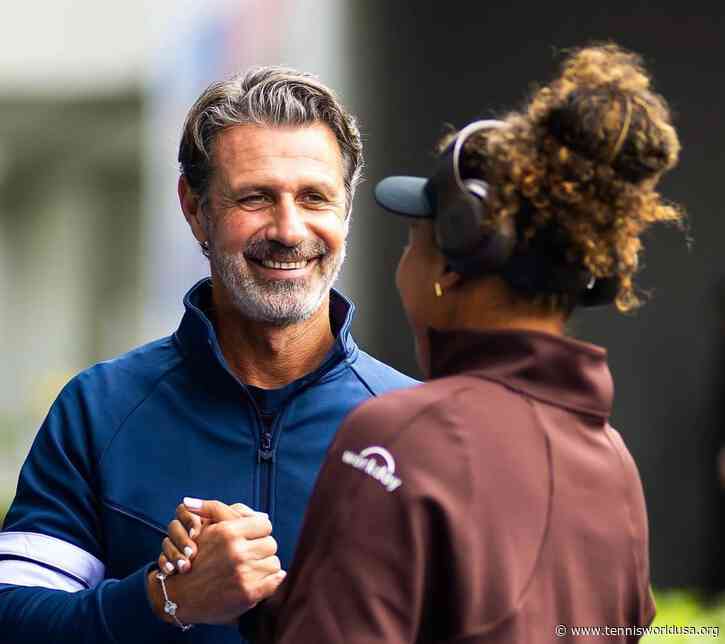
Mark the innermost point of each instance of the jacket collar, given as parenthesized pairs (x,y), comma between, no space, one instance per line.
(558,370)
(197,337)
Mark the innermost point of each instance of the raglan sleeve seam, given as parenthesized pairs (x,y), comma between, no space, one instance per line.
(154,386)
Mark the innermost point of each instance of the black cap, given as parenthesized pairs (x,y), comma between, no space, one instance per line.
(407,196)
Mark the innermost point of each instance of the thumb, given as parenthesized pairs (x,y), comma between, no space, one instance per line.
(215,511)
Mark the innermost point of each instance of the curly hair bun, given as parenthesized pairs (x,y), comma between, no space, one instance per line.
(602,107)
(583,158)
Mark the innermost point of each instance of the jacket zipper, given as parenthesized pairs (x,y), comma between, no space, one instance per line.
(267,452)
(265,461)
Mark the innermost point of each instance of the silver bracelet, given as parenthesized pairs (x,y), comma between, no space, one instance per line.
(169,606)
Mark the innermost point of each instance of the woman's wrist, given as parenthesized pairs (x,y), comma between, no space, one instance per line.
(156,597)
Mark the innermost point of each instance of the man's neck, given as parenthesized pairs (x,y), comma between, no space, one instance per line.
(270,356)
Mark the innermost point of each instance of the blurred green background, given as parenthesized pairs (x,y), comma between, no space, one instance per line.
(680,608)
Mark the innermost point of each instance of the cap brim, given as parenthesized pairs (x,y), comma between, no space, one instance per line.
(404,196)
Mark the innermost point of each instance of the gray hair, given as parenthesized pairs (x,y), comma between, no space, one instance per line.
(266,96)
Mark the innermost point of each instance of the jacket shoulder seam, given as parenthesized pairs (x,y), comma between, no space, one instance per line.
(541,399)
(533,403)
(518,605)
(619,448)
(364,381)
(361,379)
(144,398)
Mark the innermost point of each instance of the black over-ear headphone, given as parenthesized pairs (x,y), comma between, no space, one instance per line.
(462,213)
(474,244)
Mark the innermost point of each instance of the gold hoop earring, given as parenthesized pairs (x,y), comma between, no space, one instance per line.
(437,288)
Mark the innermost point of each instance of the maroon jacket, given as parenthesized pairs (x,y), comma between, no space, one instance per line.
(491,504)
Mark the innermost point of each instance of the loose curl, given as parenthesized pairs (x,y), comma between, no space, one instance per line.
(585,154)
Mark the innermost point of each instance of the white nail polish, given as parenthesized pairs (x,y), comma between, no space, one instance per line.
(262,514)
(188,551)
(181,564)
(191,502)
(169,566)
(192,532)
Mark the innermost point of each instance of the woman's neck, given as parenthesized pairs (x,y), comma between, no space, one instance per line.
(490,305)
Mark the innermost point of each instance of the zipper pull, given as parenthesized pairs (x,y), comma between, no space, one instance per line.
(265,452)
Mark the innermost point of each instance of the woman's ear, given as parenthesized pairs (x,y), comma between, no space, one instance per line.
(449,279)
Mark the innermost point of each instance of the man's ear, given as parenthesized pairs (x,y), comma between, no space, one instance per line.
(193,212)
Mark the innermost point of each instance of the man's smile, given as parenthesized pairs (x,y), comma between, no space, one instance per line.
(276,269)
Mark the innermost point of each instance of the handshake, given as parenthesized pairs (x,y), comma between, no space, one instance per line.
(225,557)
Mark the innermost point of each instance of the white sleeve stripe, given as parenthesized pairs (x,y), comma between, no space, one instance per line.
(24,573)
(43,565)
(55,553)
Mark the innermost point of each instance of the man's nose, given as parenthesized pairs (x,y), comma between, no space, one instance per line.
(288,225)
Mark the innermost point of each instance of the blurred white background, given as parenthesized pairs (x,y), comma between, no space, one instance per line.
(94,253)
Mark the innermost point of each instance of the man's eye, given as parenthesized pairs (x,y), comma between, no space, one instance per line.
(255,200)
(313,198)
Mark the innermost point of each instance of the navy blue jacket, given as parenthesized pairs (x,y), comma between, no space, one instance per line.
(126,440)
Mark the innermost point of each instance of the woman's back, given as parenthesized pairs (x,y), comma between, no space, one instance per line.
(490,505)
(556,522)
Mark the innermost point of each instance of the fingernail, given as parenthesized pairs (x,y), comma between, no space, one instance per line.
(192,532)
(181,564)
(282,574)
(262,514)
(191,502)
(188,551)
(169,566)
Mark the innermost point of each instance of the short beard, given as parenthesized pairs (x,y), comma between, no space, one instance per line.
(277,302)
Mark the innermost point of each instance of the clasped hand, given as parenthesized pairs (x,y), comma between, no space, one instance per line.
(220,561)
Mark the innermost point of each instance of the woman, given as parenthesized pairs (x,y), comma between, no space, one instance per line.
(495,503)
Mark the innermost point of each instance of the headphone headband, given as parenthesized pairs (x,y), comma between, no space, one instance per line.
(461,210)
(461,137)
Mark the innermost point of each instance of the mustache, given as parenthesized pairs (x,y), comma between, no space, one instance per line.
(269,249)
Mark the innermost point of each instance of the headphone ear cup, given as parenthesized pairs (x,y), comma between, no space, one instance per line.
(458,225)
(464,238)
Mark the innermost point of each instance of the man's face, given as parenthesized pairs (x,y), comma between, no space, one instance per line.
(276,219)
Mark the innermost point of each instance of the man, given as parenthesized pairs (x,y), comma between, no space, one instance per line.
(239,404)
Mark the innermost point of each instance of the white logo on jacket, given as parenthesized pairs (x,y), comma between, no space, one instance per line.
(367,461)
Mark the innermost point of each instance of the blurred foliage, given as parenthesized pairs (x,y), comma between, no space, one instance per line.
(685,608)
(14,445)
(19,426)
